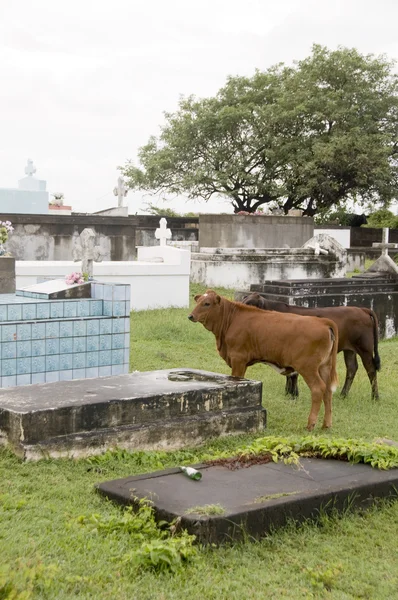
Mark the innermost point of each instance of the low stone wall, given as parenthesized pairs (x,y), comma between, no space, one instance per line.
(254,231)
(52,237)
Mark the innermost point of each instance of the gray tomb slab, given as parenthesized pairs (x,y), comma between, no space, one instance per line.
(165,409)
(256,499)
(56,289)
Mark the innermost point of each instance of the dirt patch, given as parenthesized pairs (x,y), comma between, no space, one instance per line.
(241,462)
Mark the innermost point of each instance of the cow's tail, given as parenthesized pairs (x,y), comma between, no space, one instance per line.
(334,336)
(376,356)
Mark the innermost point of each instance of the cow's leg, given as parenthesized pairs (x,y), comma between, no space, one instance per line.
(324,372)
(367,361)
(291,388)
(317,387)
(238,367)
(351,363)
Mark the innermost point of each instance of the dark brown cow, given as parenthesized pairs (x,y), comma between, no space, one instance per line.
(358,334)
(246,335)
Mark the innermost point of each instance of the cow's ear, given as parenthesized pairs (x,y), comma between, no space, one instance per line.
(196,298)
(217,299)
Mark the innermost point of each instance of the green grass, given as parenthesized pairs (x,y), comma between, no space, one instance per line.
(60,540)
(206,509)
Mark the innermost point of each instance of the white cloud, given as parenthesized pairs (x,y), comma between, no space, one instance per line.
(85,83)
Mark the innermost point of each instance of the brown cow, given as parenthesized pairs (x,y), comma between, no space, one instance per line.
(246,335)
(358,334)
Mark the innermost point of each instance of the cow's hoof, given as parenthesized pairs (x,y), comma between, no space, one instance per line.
(325,426)
(310,427)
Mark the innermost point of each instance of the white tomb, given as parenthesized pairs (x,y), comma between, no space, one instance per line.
(159,278)
(30,197)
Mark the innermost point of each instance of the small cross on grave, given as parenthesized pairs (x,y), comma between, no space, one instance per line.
(87,252)
(162,233)
(384,246)
(120,191)
(30,168)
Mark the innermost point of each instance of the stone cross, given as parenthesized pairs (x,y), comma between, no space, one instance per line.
(87,252)
(162,233)
(384,246)
(30,168)
(120,191)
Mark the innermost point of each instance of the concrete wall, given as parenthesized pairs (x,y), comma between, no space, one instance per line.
(365,236)
(51,237)
(254,231)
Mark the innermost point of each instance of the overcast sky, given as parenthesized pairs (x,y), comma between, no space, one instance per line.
(83,84)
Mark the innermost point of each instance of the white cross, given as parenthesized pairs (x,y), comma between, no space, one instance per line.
(120,191)
(162,233)
(87,252)
(30,168)
(384,246)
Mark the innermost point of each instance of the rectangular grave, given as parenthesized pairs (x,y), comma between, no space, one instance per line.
(369,290)
(257,499)
(55,289)
(149,410)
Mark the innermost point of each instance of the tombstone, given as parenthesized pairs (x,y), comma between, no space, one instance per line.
(384,264)
(163,233)
(87,252)
(322,243)
(120,191)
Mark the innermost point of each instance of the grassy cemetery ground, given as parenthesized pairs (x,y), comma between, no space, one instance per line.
(60,540)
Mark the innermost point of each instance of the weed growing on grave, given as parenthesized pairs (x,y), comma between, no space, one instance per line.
(380,456)
(160,548)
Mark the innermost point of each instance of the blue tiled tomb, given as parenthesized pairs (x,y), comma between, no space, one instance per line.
(45,340)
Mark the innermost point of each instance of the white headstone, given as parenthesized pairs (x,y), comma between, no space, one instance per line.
(163,233)
(120,191)
(87,251)
(30,168)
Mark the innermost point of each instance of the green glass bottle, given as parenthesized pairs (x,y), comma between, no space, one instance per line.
(192,473)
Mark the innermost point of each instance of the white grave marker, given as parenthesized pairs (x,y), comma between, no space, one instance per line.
(120,191)
(163,233)
(87,252)
(30,168)
(384,246)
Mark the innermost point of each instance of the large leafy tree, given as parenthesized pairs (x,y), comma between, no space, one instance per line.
(310,136)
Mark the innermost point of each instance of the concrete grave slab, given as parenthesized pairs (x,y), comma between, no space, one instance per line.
(257,499)
(375,290)
(56,289)
(149,410)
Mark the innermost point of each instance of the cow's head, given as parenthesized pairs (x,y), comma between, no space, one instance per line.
(254,299)
(206,304)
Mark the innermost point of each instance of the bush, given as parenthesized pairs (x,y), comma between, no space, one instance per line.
(383,218)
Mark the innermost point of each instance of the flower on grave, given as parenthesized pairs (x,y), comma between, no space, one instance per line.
(5,229)
(58,199)
(74,278)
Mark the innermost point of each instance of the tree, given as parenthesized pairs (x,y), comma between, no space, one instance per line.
(382,218)
(309,136)
(152,209)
